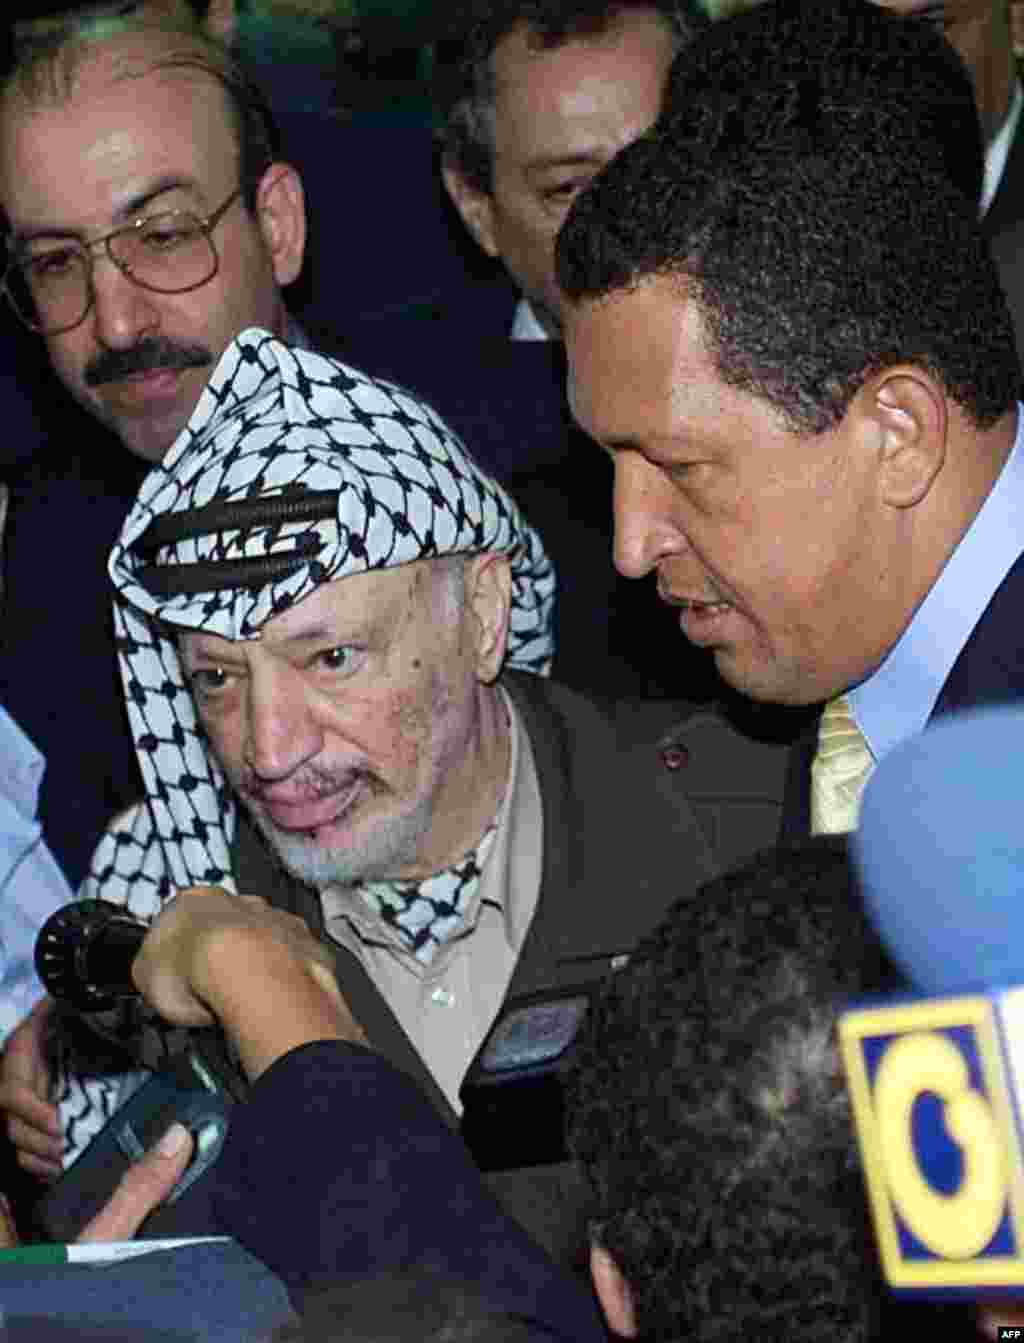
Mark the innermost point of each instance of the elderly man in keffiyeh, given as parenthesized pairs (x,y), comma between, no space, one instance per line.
(332,631)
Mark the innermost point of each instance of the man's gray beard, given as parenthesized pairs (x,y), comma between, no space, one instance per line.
(391,846)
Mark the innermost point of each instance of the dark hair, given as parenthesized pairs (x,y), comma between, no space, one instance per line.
(709,1112)
(408,1306)
(814,182)
(43,65)
(464,73)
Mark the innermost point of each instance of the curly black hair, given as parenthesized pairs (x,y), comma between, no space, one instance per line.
(470,31)
(814,181)
(708,1110)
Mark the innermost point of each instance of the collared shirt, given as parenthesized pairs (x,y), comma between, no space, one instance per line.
(999,149)
(32,886)
(896,701)
(447,1007)
(525,325)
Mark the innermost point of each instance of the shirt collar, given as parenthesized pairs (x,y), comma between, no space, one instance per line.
(896,702)
(525,325)
(21,767)
(999,149)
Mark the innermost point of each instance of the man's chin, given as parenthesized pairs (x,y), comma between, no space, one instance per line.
(148,432)
(149,442)
(344,853)
(764,681)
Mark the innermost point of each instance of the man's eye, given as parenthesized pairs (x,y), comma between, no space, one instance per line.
(207,681)
(335,659)
(558,193)
(50,265)
(165,237)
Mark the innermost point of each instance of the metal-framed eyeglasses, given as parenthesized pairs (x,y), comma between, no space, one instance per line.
(49,279)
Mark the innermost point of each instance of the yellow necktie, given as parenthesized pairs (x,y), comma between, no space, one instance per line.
(840,770)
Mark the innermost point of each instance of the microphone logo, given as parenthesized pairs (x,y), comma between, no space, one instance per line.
(935,1089)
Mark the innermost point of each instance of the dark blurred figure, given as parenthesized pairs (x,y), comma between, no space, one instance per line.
(981,32)
(533,98)
(710,1114)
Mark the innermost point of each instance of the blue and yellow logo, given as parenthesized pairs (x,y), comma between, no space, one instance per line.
(933,1096)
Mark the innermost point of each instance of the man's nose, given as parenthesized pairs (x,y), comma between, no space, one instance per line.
(646,529)
(123,312)
(283,733)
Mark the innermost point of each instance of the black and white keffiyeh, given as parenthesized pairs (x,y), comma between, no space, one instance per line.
(293,471)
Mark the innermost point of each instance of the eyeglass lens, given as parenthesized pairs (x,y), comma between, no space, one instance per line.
(168,253)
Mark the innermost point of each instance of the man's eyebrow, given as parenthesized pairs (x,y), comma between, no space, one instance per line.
(135,204)
(336,635)
(311,634)
(125,212)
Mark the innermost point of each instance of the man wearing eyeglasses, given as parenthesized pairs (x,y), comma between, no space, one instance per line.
(149,221)
(143,237)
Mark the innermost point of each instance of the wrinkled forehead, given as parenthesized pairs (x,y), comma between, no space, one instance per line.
(154,91)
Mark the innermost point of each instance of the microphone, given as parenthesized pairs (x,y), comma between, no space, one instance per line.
(84,954)
(937,1081)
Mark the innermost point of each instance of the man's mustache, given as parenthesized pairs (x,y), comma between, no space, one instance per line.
(310,786)
(151,353)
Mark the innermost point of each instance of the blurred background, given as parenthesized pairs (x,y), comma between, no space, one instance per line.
(381,48)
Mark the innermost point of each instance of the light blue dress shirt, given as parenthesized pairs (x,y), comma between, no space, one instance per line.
(32,886)
(897,700)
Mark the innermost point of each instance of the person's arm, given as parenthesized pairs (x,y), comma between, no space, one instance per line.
(336,1168)
(258,972)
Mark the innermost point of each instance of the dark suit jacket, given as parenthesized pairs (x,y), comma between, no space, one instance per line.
(59,677)
(989,670)
(337,1168)
(639,809)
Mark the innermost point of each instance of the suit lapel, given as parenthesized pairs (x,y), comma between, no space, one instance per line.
(990,668)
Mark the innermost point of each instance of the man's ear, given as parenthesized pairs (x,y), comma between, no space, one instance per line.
(488,601)
(475,206)
(281,211)
(613,1292)
(908,413)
